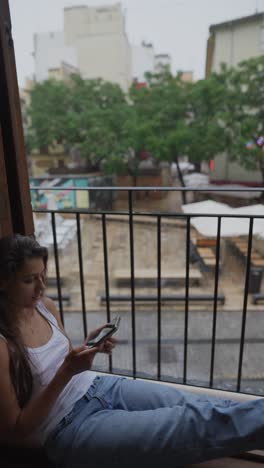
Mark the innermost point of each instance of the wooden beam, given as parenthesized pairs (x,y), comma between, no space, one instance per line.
(12,130)
(5,212)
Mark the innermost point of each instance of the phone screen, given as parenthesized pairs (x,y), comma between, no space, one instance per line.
(103,333)
(108,330)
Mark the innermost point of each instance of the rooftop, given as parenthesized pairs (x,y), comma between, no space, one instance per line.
(237,21)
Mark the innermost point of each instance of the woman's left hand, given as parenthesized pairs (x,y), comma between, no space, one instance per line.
(107,345)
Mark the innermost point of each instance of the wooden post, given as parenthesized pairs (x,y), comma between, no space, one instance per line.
(13,158)
(5,213)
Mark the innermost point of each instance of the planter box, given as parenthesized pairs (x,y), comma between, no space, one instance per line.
(142,181)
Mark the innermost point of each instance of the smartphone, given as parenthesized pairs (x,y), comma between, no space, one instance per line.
(109,329)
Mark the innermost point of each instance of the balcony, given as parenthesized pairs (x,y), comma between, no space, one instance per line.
(188,308)
(170,325)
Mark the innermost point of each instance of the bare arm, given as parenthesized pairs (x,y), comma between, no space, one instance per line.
(36,411)
(17,424)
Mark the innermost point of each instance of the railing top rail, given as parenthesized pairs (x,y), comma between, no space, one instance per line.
(157,189)
(148,213)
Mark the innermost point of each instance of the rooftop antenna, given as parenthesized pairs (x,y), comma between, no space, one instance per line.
(257,5)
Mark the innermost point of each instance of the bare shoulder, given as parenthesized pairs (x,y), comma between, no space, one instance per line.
(50,305)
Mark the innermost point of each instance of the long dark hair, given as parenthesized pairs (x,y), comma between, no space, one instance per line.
(14,251)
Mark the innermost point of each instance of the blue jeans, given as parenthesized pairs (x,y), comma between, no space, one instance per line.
(129,423)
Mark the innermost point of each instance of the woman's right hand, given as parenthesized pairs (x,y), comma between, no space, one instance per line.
(79,360)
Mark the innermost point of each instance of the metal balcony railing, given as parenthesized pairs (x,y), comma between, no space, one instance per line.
(178,304)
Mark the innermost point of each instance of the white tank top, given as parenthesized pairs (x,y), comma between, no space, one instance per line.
(44,363)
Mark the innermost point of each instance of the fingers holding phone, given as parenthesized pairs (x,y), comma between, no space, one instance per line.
(94,333)
(102,337)
(80,359)
(107,346)
(99,340)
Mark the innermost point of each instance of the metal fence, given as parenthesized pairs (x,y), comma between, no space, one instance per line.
(158,298)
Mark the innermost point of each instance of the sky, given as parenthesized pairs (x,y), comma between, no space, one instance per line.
(176,27)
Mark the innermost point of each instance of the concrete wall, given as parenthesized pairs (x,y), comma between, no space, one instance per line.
(237,42)
(233,172)
(62,73)
(162,61)
(88,21)
(142,61)
(99,37)
(41,163)
(94,41)
(49,52)
(106,58)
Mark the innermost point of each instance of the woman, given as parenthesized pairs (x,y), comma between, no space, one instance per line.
(49,396)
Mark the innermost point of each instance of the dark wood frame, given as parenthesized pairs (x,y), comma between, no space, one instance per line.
(5,212)
(14,181)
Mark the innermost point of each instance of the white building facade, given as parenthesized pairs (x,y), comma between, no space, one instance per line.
(99,37)
(143,61)
(234,41)
(162,61)
(230,43)
(50,53)
(94,41)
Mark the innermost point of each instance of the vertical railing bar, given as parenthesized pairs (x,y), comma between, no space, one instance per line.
(186,320)
(106,274)
(57,267)
(244,314)
(132,274)
(217,263)
(159,297)
(79,242)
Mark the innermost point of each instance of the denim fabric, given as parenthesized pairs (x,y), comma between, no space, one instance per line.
(122,422)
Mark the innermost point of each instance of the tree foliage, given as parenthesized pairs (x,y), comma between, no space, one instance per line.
(161,116)
(87,115)
(49,124)
(95,119)
(166,118)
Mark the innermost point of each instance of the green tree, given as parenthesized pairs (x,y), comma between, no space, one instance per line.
(159,123)
(227,113)
(161,115)
(87,115)
(47,115)
(95,121)
(243,117)
(206,133)
(167,118)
